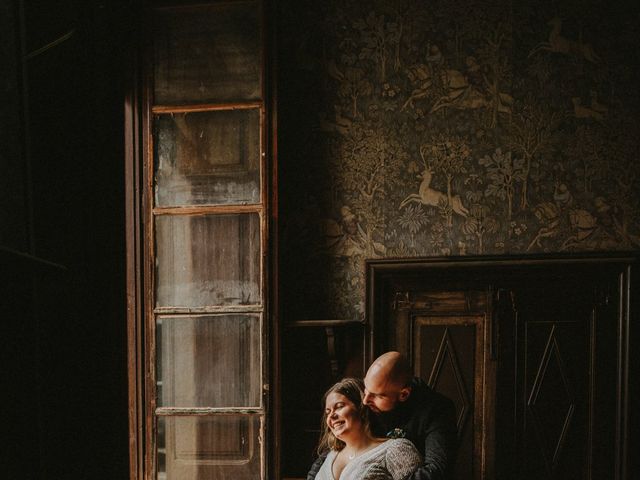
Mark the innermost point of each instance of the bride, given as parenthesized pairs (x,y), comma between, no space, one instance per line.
(354,453)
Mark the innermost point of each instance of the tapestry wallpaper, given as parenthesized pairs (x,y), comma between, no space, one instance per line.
(450,127)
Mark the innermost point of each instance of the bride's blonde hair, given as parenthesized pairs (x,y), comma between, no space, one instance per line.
(353,390)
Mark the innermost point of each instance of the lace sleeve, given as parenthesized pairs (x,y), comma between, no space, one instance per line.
(402,458)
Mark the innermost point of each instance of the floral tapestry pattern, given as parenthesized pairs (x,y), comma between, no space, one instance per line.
(412,128)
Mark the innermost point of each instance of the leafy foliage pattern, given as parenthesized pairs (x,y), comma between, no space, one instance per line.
(451,128)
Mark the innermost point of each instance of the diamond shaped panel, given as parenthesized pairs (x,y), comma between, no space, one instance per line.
(447,365)
(551,402)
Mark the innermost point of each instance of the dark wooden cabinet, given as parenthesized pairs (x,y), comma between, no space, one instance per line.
(533,351)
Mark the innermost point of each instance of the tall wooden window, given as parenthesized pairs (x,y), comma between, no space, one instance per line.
(204,210)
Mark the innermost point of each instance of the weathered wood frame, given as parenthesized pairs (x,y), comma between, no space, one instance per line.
(138,114)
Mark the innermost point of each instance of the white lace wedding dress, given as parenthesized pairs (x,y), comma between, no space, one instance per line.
(394,459)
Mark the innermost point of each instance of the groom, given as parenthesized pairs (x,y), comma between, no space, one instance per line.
(404,406)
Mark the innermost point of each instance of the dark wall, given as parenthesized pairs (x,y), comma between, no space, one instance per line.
(524,115)
(62,239)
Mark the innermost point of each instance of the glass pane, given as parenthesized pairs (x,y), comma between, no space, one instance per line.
(205,55)
(207,158)
(207,260)
(209,361)
(209,448)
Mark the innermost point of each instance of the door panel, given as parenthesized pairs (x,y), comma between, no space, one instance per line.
(443,333)
(556,398)
(557,384)
(207,448)
(448,353)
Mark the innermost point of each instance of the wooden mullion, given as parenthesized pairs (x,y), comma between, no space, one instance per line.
(207,411)
(207,107)
(134,273)
(149,262)
(271,322)
(227,309)
(208,209)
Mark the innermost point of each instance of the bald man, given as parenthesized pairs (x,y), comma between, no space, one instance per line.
(404,406)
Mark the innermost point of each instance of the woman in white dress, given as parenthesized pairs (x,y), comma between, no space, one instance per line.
(353,452)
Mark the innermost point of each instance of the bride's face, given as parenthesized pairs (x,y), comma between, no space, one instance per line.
(342,416)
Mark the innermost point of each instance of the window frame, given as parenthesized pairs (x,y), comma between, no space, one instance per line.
(140,112)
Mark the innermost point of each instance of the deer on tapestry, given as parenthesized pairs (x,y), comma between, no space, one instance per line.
(567,46)
(429,196)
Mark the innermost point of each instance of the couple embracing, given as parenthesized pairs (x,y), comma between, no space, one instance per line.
(391,426)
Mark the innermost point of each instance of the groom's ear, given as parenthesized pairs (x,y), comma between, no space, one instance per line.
(404,394)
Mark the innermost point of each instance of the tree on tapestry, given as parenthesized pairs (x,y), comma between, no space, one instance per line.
(490,28)
(532,132)
(353,85)
(365,167)
(504,173)
(409,22)
(482,218)
(458,33)
(413,218)
(587,146)
(478,223)
(377,38)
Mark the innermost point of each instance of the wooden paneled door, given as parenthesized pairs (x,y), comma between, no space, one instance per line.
(534,352)
(443,334)
(562,358)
